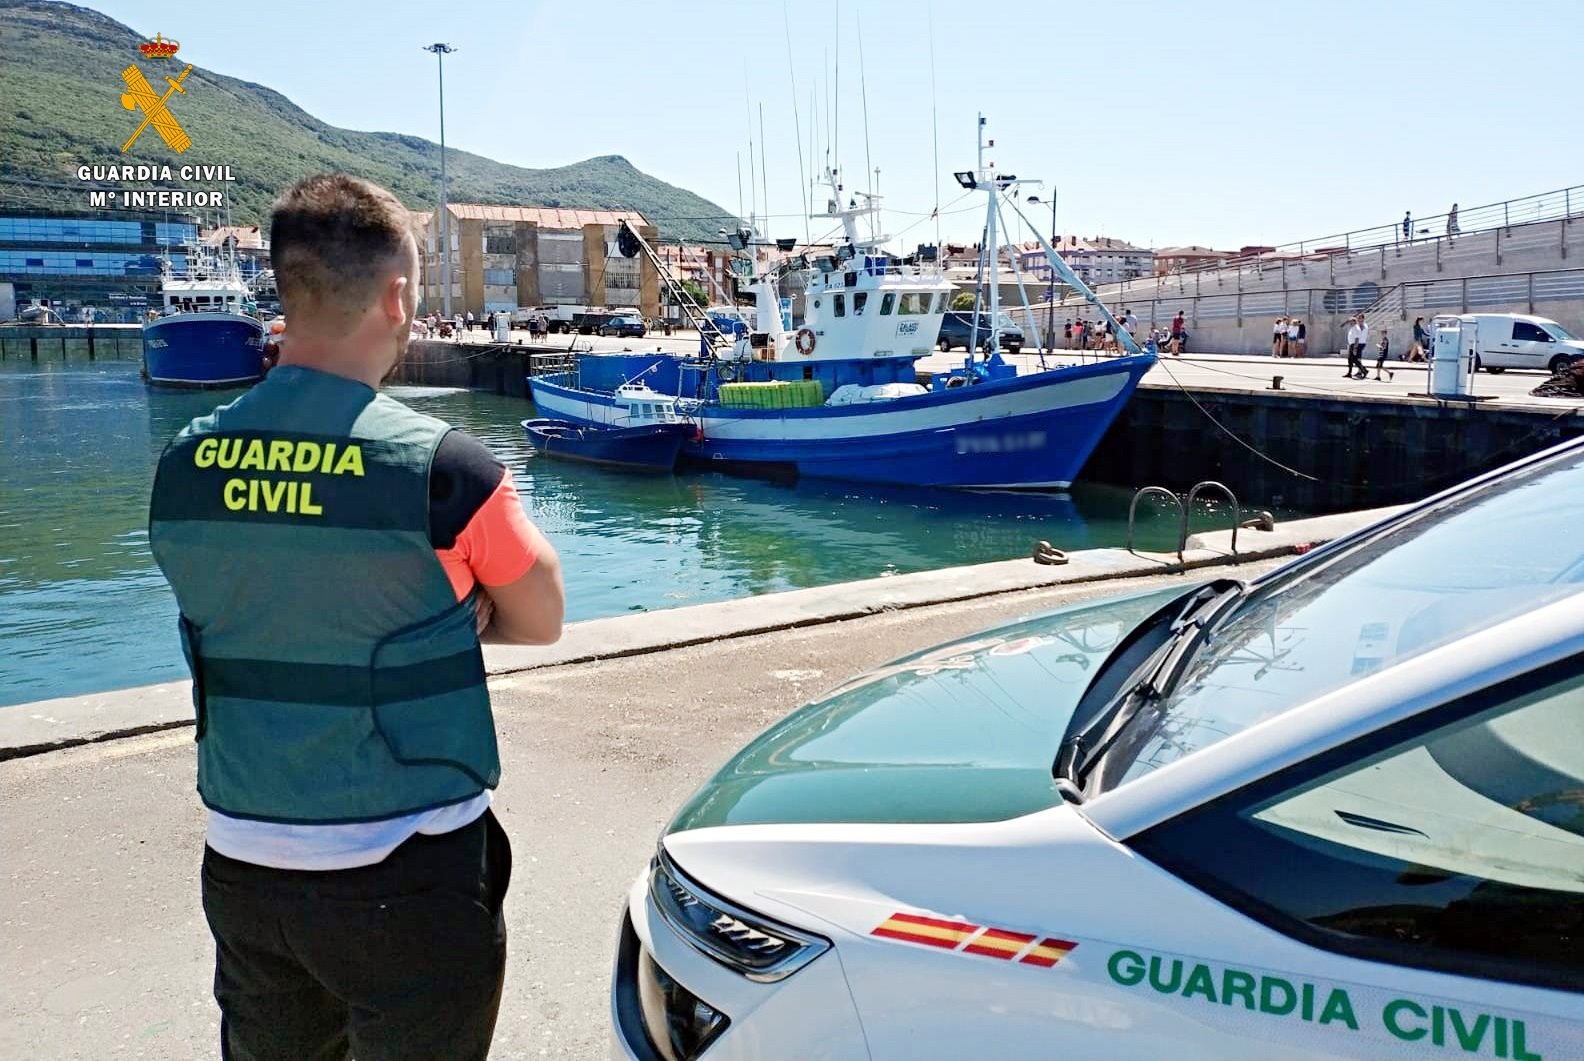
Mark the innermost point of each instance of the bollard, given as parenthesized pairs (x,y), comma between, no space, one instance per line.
(1276,382)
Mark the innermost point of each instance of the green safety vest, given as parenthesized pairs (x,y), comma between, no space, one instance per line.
(336,677)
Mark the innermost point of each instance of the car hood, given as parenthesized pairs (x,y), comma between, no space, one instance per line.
(965,732)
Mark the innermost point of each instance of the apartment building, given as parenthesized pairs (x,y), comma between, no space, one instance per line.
(503,257)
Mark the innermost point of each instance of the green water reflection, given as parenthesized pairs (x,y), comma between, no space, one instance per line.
(82,607)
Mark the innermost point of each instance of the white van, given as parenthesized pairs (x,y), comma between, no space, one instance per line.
(1517,340)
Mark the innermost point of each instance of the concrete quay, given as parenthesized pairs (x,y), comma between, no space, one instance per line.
(107,953)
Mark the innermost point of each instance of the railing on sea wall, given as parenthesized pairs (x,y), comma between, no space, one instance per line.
(1428,234)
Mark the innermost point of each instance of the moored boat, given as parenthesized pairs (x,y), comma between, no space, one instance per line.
(647,448)
(204,336)
(834,392)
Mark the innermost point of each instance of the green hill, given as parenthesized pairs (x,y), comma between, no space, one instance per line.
(60,107)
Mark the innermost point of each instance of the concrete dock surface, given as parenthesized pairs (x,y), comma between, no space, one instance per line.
(106,949)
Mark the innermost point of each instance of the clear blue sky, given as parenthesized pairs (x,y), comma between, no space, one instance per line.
(1225,122)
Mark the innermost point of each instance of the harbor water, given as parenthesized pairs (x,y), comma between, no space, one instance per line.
(84,609)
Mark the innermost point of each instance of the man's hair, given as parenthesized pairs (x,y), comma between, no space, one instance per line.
(333,239)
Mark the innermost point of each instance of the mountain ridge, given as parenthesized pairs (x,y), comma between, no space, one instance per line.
(61,65)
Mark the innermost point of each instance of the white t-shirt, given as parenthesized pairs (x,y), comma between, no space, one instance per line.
(325,847)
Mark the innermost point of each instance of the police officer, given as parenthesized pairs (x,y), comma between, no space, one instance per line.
(336,557)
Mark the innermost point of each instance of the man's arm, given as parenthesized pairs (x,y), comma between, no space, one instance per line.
(530,610)
(490,547)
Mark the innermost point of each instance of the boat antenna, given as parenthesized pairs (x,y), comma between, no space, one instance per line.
(764,171)
(934,122)
(863,92)
(753,177)
(797,122)
(836,134)
(739,188)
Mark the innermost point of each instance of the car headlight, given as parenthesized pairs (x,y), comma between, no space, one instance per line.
(748,943)
(679,1024)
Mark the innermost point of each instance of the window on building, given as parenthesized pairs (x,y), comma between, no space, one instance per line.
(499,277)
(500,243)
(1455,847)
(85,263)
(887,303)
(840,302)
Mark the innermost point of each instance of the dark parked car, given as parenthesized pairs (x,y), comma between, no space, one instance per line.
(957,330)
(624,327)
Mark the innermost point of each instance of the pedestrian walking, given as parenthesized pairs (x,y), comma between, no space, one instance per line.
(1382,351)
(336,557)
(1279,338)
(1420,350)
(1407,226)
(1357,338)
(1452,223)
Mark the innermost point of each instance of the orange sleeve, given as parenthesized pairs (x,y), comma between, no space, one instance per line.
(496,546)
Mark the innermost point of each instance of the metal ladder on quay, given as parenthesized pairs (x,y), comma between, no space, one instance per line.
(1184,507)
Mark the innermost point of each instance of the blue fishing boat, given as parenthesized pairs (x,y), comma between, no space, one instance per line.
(646,435)
(648,449)
(204,335)
(835,393)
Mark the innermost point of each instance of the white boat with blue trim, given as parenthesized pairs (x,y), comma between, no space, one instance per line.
(835,395)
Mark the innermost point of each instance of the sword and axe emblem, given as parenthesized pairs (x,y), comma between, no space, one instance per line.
(140,96)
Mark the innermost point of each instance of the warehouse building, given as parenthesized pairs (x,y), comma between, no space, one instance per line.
(503,257)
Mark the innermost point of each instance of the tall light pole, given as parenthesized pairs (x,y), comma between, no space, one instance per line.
(1050,295)
(440,52)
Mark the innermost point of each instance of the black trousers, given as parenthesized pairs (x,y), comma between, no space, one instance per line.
(401,960)
(1356,359)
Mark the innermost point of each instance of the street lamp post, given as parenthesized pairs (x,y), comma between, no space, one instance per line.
(440,52)
(1050,295)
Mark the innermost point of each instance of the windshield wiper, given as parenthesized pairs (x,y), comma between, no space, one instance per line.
(1150,682)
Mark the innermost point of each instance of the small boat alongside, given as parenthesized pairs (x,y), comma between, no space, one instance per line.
(645,434)
(649,448)
(204,335)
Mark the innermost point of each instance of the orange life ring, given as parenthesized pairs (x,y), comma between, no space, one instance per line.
(805,348)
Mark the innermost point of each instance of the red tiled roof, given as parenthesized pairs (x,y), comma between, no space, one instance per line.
(544,216)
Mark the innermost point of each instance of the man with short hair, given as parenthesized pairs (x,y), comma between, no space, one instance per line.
(1357,338)
(336,557)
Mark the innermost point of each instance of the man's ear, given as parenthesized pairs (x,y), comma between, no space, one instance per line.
(393,302)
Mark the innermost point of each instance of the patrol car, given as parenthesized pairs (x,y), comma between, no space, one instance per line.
(1337,811)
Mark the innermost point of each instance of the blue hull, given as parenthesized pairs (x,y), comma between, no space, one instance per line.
(1032,432)
(203,350)
(652,448)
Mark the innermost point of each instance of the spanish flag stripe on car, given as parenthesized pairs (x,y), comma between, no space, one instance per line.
(998,943)
(967,938)
(911,928)
(1048,952)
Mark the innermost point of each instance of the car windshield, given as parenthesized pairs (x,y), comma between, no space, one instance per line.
(1472,562)
(1559,331)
